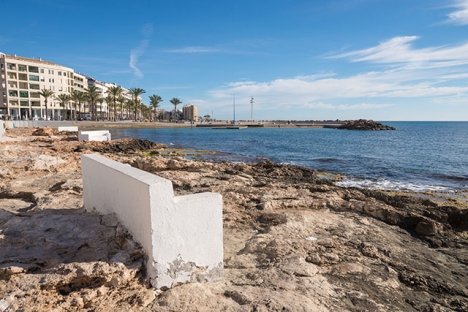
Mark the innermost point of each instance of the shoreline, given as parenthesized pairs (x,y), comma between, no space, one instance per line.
(292,241)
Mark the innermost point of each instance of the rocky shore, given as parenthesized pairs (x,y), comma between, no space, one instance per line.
(364,124)
(292,241)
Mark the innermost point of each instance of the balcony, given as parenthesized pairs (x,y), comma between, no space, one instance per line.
(33,78)
(34,69)
(34,86)
(24,103)
(22,68)
(23,77)
(23,85)
(11,66)
(35,95)
(35,103)
(24,94)
(13,93)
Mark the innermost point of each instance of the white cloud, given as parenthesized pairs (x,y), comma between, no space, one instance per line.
(399,50)
(147,31)
(460,16)
(134,55)
(193,50)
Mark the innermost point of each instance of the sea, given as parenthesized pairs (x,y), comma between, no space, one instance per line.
(418,156)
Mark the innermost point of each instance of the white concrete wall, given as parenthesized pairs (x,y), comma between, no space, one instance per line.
(68,128)
(97,135)
(182,236)
(2,129)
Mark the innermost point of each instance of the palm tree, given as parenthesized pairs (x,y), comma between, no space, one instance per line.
(63,99)
(136,92)
(93,94)
(154,102)
(78,97)
(175,102)
(123,105)
(46,94)
(109,100)
(100,101)
(115,92)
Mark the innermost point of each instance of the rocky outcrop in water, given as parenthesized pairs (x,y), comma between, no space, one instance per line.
(364,124)
(292,241)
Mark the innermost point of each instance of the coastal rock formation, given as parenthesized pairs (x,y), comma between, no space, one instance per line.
(364,124)
(292,241)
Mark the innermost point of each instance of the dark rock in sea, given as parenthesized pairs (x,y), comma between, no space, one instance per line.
(364,124)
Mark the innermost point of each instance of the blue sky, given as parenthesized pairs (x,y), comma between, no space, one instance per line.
(299,59)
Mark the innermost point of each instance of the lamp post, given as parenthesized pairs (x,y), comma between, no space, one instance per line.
(251,108)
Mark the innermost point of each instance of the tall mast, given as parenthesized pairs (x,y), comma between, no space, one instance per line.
(234,106)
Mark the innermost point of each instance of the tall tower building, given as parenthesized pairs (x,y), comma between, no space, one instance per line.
(190,112)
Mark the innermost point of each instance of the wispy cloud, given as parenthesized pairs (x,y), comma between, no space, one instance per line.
(147,31)
(460,16)
(361,106)
(400,50)
(193,50)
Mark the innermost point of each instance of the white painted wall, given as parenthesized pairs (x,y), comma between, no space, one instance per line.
(96,135)
(2,129)
(68,128)
(182,236)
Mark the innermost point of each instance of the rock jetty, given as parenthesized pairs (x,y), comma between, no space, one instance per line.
(292,241)
(364,124)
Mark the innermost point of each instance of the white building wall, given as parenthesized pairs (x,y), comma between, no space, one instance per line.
(182,236)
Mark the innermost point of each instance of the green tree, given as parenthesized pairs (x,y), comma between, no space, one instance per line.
(93,94)
(63,99)
(175,102)
(46,94)
(115,92)
(123,103)
(78,97)
(100,101)
(154,102)
(136,92)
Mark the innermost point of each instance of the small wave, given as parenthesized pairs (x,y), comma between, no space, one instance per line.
(329,160)
(451,177)
(390,185)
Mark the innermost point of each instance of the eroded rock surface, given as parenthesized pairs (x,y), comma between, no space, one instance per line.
(364,124)
(292,241)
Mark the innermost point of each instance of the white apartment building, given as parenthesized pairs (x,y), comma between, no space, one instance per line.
(21,80)
(190,112)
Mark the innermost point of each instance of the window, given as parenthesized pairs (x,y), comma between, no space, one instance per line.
(51,71)
(51,79)
(24,94)
(42,79)
(42,70)
(59,73)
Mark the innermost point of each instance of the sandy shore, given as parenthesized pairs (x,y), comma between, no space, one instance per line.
(292,241)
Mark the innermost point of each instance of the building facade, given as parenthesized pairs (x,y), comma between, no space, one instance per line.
(190,112)
(22,79)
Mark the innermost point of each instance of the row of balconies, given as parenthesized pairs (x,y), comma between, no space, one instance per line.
(23,85)
(24,94)
(23,68)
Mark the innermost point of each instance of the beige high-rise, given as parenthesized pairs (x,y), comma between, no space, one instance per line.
(21,80)
(190,112)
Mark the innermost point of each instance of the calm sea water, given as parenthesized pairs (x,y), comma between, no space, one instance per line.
(418,156)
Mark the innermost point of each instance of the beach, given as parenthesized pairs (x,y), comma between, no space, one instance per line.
(293,241)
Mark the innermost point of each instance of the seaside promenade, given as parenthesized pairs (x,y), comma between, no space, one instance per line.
(89,125)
